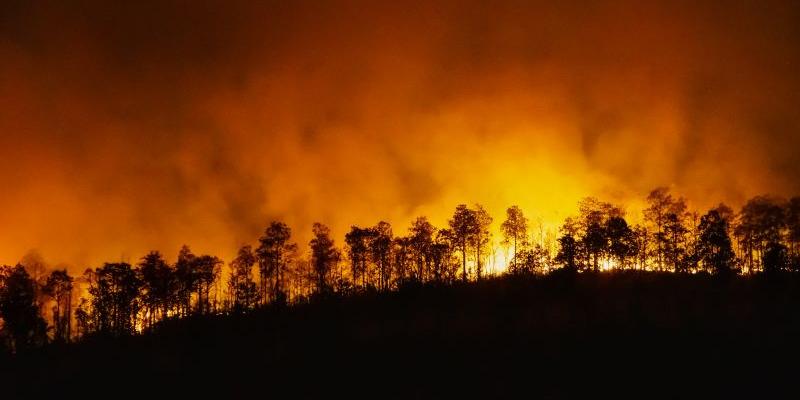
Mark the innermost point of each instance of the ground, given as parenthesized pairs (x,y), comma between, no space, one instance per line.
(610,334)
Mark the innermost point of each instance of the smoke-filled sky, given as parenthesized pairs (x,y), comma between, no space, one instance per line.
(147,125)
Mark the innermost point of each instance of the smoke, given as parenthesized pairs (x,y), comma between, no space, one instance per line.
(130,127)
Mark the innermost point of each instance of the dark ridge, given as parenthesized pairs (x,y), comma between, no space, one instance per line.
(619,334)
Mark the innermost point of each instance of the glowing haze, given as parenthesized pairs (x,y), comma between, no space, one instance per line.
(125,128)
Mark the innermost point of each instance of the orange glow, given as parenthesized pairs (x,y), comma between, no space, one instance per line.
(131,129)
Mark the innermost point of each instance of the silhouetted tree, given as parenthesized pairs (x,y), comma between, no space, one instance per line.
(37,268)
(530,260)
(481,237)
(403,259)
(642,237)
(420,241)
(674,235)
(22,323)
(714,244)
(159,286)
(621,240)
(594,242)
(241,285)
(357,241)
(667,220)
(515,231)
(275,254)
(775,258)
(567,252)
(324,256)
(692,257)
(115,292)
(463,228)
(659,202)
(59,288)
(380,249)
(207,270)
(761,221)
(83,319)
(441,256)
(186,280)
(594,215)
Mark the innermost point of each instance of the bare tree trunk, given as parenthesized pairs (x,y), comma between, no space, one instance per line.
(464,263)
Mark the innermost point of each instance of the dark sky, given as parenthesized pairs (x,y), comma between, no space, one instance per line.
(129,127)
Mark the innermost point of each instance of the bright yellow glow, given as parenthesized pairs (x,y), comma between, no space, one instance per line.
(499,260)
(607,265)
(350,129)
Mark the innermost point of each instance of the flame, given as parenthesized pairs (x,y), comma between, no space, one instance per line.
(205,128)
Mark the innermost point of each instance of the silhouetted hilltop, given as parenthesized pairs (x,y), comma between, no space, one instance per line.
(625,333)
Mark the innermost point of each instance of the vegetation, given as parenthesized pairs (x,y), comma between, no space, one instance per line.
(121,299)
(680,250)
(631,333)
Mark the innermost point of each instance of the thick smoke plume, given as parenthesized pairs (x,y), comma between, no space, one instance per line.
(129,127)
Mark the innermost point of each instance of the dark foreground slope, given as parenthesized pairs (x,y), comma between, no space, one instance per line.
(627,334)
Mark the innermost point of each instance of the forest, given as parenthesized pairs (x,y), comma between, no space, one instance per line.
(675,253)
(40,307)
(399,199)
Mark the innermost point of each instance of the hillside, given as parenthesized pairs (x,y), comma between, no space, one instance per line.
(639,334)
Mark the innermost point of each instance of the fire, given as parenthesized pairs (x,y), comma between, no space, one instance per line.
(607,265)
(499,260)
(246,114)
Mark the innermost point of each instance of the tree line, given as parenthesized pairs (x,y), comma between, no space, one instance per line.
(123,299)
